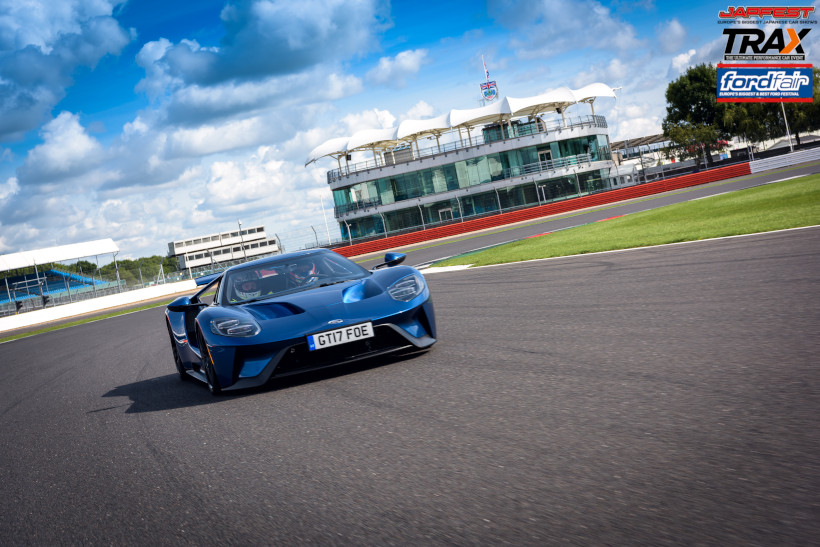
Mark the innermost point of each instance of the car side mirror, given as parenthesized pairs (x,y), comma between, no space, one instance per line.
(391,259)
(183,304)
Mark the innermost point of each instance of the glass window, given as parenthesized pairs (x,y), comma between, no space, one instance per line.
(287,275)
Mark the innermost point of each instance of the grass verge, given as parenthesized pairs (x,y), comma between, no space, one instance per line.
(778,206)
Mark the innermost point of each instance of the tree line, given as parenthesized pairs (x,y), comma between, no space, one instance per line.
(697,124)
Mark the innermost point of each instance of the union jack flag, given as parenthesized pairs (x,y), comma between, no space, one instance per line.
(489,90)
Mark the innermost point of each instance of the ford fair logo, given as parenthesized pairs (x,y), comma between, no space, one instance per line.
(335,321)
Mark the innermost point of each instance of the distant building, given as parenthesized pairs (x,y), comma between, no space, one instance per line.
(223,247)
(501,156)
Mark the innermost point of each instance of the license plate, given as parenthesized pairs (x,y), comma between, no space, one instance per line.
(343,335)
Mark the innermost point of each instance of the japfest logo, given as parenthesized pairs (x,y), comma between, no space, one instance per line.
(752,15)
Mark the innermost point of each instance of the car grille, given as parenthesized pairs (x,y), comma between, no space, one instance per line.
(299,357)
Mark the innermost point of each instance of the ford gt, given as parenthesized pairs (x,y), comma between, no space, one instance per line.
(297,312)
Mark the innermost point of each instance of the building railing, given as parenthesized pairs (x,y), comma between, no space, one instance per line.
(464,140)
(509,173)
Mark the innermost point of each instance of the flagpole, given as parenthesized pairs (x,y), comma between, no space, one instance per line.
(487,76)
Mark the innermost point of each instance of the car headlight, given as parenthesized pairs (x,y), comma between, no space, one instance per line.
(406,288)
(235,327)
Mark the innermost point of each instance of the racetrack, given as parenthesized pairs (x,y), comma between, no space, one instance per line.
(657,396)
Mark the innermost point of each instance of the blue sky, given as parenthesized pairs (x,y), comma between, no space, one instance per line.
(149,121)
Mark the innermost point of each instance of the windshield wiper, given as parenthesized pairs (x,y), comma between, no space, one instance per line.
(258,298)
(329,283)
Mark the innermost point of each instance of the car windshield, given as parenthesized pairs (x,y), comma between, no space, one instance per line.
(287,275)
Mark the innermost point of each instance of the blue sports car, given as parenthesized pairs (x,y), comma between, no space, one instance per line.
(297,312)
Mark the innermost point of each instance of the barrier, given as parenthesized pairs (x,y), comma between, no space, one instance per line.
(530,213)
(785,160)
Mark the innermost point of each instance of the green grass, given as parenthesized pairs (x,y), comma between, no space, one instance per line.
(787,204)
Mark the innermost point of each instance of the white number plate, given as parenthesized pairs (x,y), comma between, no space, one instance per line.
(340,336)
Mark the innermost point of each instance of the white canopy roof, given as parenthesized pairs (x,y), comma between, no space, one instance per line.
(415,129)
(493,112)
(48,255)
(505,109)
(332,147)
(373,138)
(548,102)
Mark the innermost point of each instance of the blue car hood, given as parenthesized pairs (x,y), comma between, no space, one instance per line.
(351,301)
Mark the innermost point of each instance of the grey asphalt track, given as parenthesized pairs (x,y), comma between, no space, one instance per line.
(662,396)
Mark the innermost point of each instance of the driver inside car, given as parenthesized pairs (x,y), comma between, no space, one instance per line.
(303,273)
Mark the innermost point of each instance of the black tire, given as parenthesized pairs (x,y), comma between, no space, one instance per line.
(208,365)
(210,375)
(177,359)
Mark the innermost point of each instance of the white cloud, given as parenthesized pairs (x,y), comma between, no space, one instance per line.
(552,27)
(9,188)
(671,35)
(266,38)
(209,139)
(66,150)
(196,104)
(614,73)
(368,119)
(395,71)
(711,52)
(261,184)
(42,44)
(682,61)
(419,111)
(634,120)
(40,24)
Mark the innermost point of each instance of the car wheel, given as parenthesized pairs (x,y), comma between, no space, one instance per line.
(177,359)
(210,375)
(208,365)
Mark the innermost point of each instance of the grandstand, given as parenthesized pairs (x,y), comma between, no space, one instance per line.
(49,283)
(27,285)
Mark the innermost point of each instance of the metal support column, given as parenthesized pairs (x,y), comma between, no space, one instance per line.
(384,224)
(8,292)
(117,269)
(349,235)
(460,210)
(788,131)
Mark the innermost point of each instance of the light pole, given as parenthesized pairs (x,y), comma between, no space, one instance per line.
(327,229)
(242,240)
(788,131)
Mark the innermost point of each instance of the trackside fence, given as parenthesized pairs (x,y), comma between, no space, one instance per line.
(785,160)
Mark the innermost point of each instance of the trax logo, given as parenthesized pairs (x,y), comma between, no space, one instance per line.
(754,40)
(775,12)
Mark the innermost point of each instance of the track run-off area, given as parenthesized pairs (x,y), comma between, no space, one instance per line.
(655,396)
